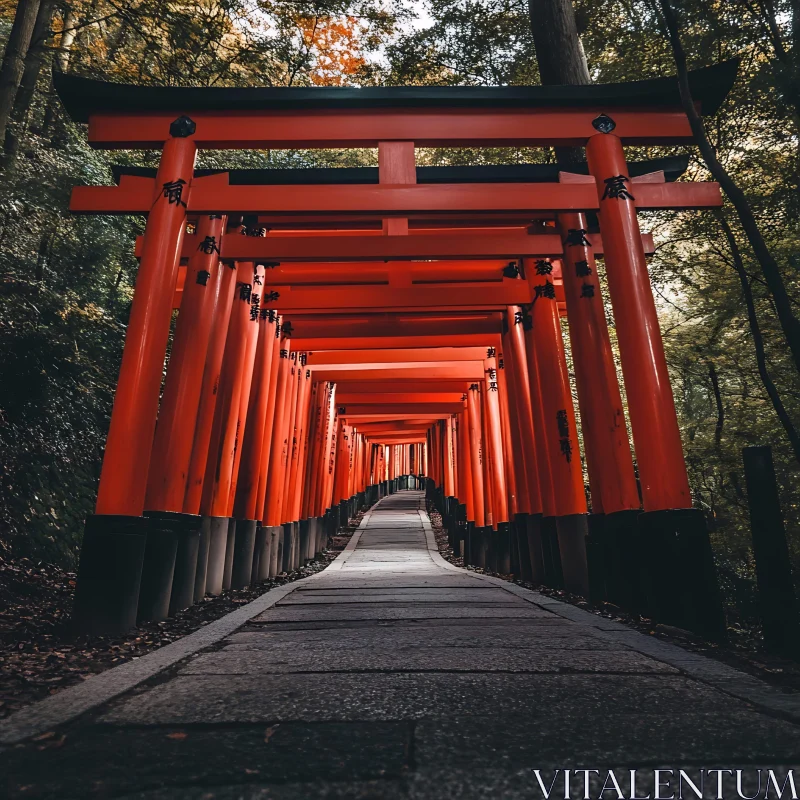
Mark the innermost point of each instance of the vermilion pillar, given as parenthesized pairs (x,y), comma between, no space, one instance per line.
(269,417)
(275,473)
(172,445)
(675,537)
(501,541)
(559,428)
(476,466)
(656,436)
(208,394)
(465,476)
(123,480)
(248,367)
(516,354)
(605,436)
(113,549)
(216,502)
(250,541)
(615,498)
(205,420)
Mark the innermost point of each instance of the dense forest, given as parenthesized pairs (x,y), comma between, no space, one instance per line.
(728,284)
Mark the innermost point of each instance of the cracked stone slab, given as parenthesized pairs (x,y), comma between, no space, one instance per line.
(390,611)
(198,699)
(473,659)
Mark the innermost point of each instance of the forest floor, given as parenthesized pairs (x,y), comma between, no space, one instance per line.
(39,657)
(743,650)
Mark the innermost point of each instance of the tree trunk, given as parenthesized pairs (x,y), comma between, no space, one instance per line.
(30,76)
(559,53)
(769,266)
(68,31)
(14,58)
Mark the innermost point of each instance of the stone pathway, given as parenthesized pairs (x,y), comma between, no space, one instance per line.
(393,674)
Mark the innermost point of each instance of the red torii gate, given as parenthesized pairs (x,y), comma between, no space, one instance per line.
(601,118)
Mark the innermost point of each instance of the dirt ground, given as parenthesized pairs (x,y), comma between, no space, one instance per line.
(38,656)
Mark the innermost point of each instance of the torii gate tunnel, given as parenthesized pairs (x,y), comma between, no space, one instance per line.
(345,333)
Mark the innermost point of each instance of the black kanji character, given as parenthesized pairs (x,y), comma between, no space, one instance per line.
(209,246)
(562,422)
(543,267)
(202,277)
(271,297)
(566,449)
(501,364)
(284,353)
(244,291)
(576,237)
(616,189)
(587,290)
(257,279)
(173,191)
(511,270)
(492,373)
(547,290)
(492,386)
(288,330)
(254,230)
(490,352)
(582,269)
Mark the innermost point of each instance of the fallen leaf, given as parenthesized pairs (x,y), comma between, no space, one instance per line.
(269,732)
(178,736)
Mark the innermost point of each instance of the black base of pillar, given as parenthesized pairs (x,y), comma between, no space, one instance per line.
(244,542)
(158,569)
(681,579)
(469,530)
(536,550)
(296,560)
(275,538)
(286,564)
(344,513)
(218,544)
(202,560)
(501,548)
(513,548)
(183,581)
(551,556)
(260,554)
(109,575)
(572,531)
(624,560)
(596,558)
(304,531)
(480,537)
(523,549)
(227,577)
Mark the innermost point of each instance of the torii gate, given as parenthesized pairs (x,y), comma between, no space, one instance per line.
(541,224)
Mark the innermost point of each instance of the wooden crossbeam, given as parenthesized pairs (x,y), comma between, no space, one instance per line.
(213,195)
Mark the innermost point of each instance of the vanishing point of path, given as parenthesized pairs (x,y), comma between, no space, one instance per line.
(393,674)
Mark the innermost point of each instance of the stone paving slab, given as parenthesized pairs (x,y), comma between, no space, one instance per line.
(546,699)
(472,659)
(399,611)
(463,597)
(528,636)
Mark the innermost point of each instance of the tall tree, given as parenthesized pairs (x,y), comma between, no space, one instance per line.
(13,64)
